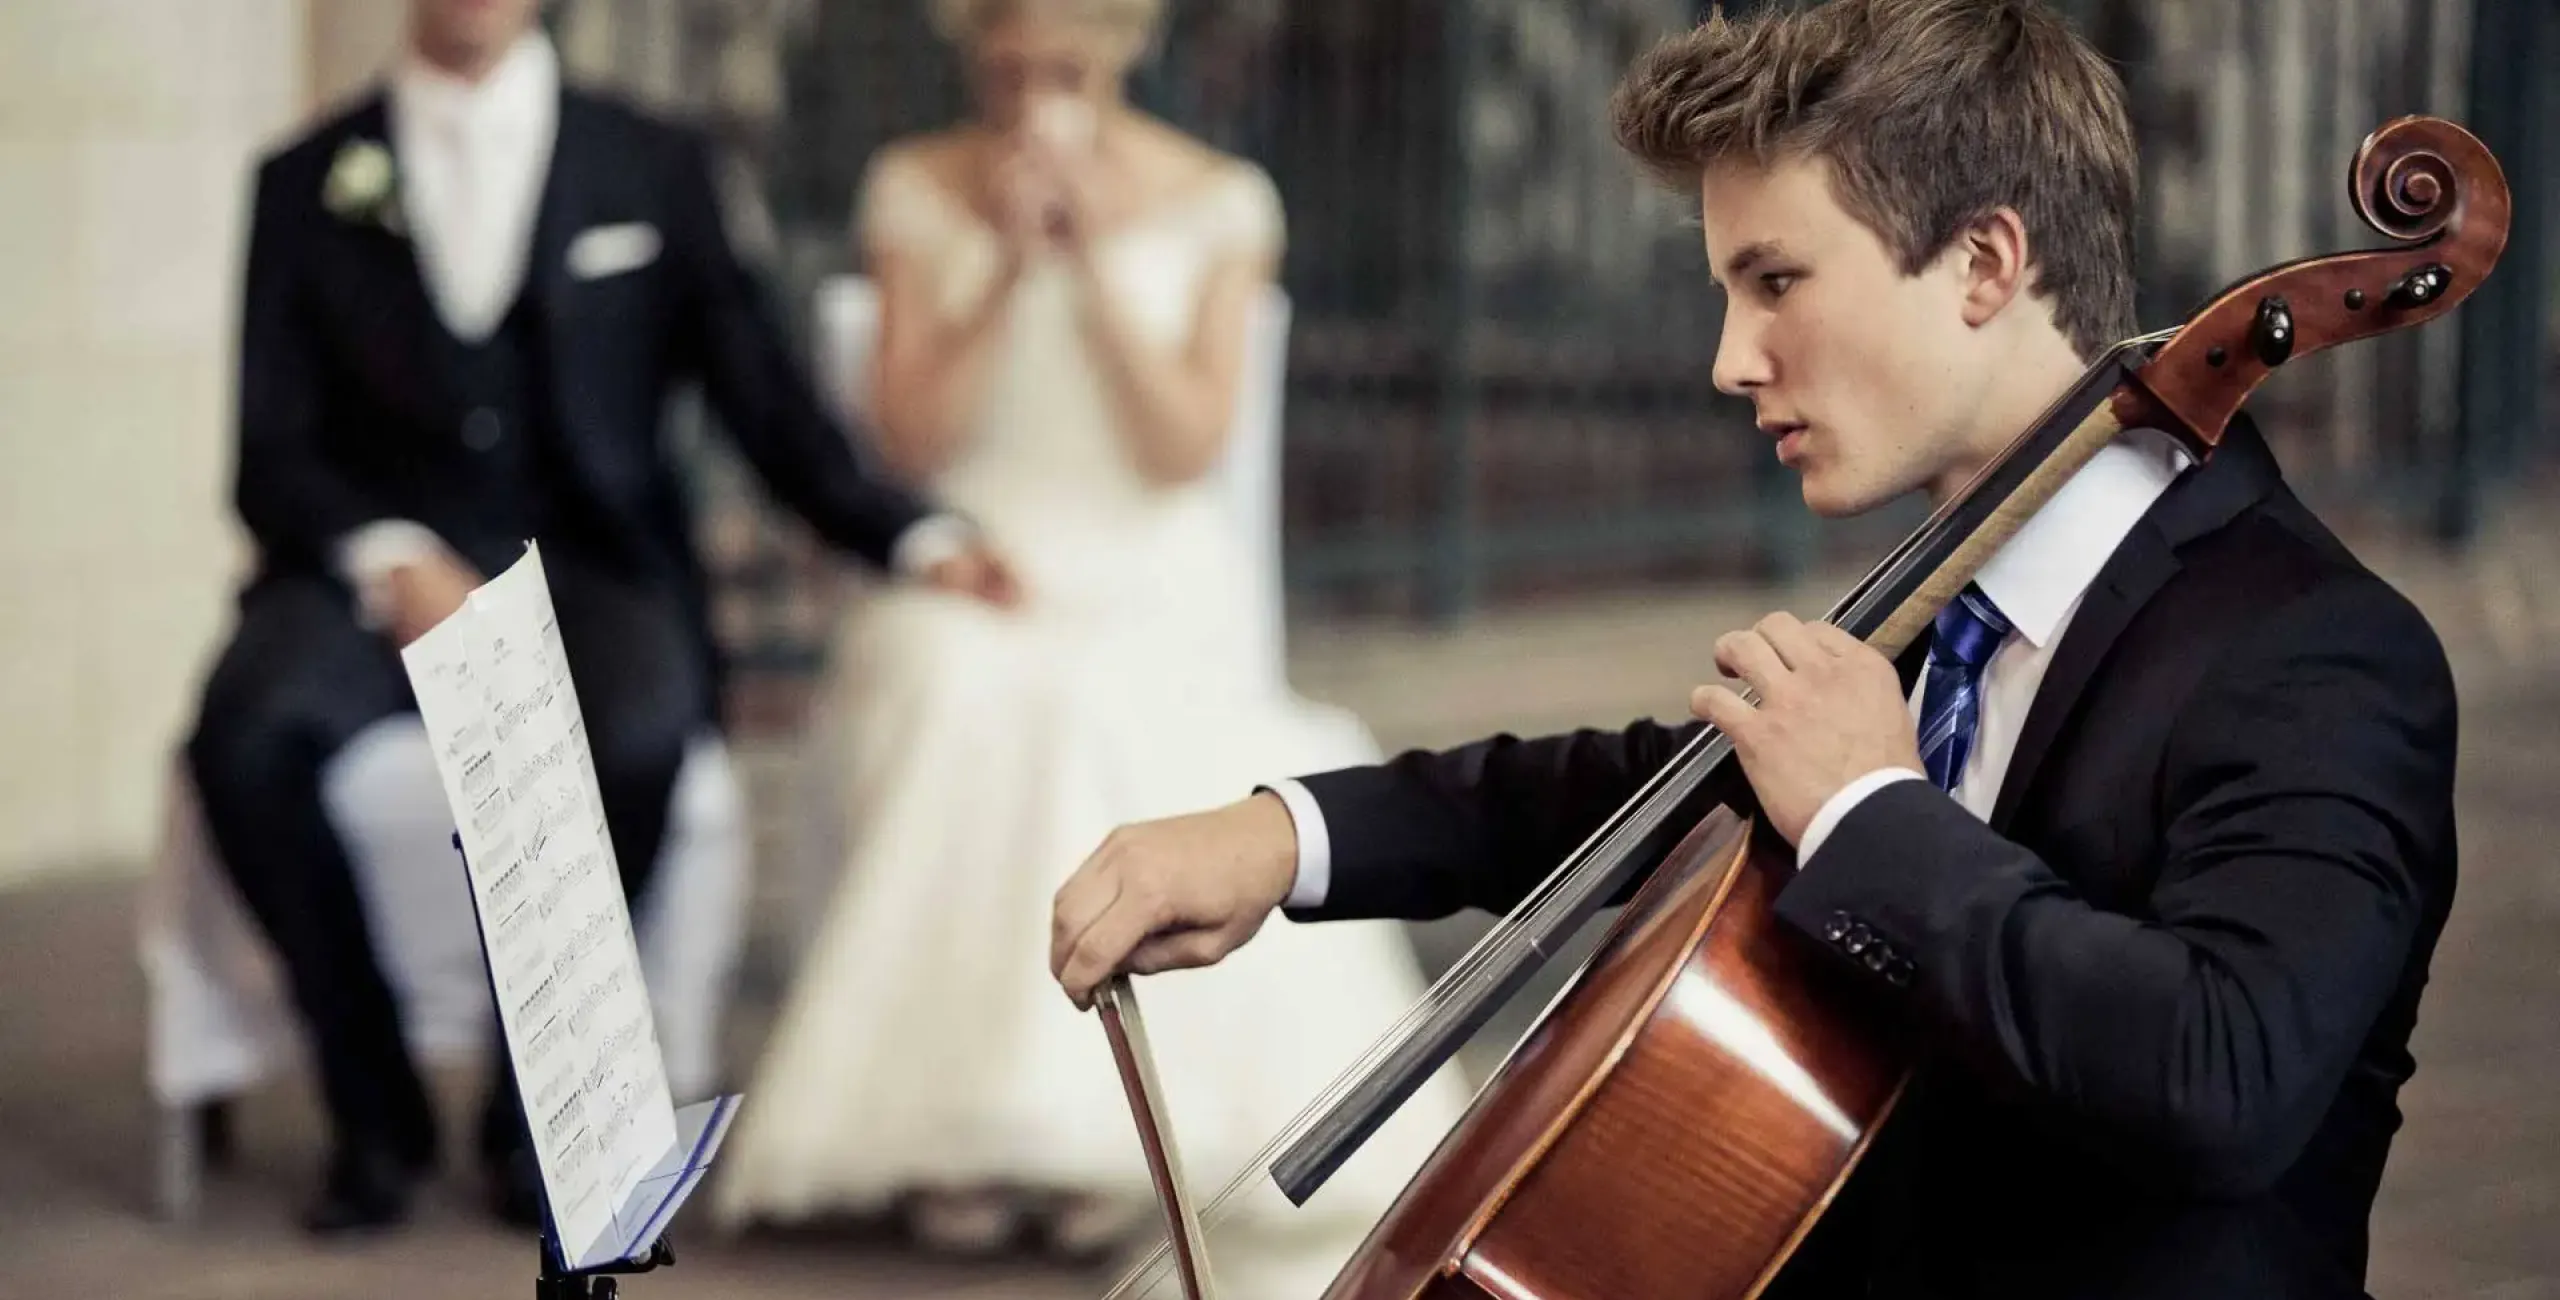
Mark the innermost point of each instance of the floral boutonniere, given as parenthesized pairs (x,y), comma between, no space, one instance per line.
(362,186)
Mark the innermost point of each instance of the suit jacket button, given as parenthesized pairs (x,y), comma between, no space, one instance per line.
(1860,938)
(1834,929)
(1876,958)
(481,429)
(1898,972)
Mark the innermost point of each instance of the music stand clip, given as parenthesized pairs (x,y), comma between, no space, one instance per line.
(602,1283)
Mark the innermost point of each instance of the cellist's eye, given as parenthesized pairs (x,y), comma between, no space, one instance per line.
(1776,283)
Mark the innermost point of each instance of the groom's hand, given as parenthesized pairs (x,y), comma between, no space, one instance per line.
(1164,895)
(978,572)
(425,592)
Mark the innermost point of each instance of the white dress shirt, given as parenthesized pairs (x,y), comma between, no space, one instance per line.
(2035,579)
(473,158)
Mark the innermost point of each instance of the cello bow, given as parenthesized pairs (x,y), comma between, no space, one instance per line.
(1117,1002)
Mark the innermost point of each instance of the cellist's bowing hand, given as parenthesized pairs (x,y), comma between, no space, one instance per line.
(1165,895)
(1831,710)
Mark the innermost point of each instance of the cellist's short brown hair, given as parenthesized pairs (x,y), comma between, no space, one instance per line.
(1930,114)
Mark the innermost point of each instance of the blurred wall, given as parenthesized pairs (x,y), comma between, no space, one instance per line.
(127,133)
(347,44)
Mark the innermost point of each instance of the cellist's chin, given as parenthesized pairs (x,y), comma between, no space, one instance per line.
(1840,483)
(1832,491)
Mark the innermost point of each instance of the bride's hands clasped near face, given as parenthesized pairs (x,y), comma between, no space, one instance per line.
(1025,195)
(1046,179)
(1047,86)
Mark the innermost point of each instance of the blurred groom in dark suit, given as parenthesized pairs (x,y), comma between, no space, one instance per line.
(467,300)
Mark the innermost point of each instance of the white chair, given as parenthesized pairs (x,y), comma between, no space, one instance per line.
(222,1023)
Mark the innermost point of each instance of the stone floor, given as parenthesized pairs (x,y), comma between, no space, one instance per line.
(2467,1209)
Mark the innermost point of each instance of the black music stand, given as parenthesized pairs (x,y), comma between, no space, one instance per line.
(556,1283)
(555,1280)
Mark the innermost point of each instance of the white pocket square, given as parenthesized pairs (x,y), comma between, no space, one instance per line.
(600,251)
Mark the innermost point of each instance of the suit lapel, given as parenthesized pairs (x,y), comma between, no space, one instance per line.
(404,326)
(567,191)
(2239,474)
(2140,566)
(567,206)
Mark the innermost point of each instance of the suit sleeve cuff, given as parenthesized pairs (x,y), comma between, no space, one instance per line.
(1315,848)
(1827,818)
(928,542)
(368,556)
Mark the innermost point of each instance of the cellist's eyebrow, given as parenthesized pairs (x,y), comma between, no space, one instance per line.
(1747,256)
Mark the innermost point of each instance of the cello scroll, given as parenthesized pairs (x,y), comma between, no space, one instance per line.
(2423,181)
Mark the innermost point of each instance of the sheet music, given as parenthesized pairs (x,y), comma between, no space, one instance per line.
(494,689)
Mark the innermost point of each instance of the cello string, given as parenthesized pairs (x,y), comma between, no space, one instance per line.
(1528,920)
(1548,904)
(1533,912)
(1534,908)
(1556,895)
(1552,900)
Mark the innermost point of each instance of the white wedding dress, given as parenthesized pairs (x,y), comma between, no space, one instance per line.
(984,754)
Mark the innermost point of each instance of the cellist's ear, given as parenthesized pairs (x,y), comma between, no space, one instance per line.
(1991,253)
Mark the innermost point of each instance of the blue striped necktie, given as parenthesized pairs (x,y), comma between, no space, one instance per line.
(1968,631)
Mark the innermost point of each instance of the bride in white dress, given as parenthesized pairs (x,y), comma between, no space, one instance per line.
(1066,292)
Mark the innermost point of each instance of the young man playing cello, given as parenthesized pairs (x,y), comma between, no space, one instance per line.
(2166,939)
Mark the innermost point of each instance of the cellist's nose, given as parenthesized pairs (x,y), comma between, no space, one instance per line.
(1742,359)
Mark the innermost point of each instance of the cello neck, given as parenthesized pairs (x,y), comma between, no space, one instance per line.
(1889,607)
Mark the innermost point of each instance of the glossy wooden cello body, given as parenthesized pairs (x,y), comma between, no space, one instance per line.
(1681,1117)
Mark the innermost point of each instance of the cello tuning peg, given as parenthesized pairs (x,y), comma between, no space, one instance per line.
(2421,286)
(2271,333)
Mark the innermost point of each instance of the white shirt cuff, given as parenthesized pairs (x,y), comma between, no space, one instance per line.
(1837,806)
(1315,849)
(928,542)
(367,557)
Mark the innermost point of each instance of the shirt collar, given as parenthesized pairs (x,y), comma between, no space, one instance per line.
(519,89)
(2037,577)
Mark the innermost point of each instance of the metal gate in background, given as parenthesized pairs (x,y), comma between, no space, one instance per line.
(1499,376)
(1498,373)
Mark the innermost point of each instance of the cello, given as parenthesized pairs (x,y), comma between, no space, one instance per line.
(1683,1114)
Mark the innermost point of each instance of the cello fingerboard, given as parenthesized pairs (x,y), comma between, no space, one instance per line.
(1939,588)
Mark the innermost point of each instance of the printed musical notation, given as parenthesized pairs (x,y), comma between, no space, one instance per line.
(494,689)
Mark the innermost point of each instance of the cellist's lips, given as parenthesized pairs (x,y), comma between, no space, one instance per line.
(1790,435)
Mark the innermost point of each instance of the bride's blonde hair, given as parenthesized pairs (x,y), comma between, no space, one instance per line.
(963,21)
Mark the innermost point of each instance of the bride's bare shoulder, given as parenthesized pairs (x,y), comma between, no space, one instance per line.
(1181,160)
(942,158)
(1188,171)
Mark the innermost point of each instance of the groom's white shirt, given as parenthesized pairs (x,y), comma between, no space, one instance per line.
(474,156)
